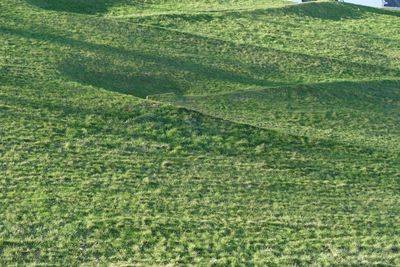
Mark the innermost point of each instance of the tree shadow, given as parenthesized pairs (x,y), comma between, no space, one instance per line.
(110,76)
(143,74)
(374,95)
(136,71)
(362,113)
(81,6)
(190,123)
(323,11)
(379,96)
(177,69)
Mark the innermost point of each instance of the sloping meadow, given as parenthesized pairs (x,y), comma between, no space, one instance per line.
(255,152)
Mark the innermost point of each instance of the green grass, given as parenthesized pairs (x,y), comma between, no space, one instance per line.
(365,113)
(204,133)
(148,7)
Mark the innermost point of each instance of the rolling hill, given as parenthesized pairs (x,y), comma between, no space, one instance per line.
(217,133)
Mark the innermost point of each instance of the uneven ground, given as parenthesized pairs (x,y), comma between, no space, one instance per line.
(208,133)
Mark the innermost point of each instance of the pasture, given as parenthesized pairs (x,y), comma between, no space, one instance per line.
(212,133)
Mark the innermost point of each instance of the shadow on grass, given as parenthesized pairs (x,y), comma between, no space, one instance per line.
(135,72)
(331,11)
(178,69)
(107,75)
(190,125)
(323,11)
(381,98)
(376,95)
(80,6)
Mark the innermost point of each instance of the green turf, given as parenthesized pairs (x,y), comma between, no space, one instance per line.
(205,133)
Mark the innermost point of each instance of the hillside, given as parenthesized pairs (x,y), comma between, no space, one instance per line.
(205,133)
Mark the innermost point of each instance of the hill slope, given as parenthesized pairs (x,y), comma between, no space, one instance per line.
(273,140)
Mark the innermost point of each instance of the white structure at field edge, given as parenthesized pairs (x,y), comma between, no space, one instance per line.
(372,3)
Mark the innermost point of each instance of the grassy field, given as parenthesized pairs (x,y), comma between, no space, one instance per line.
(211,133)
